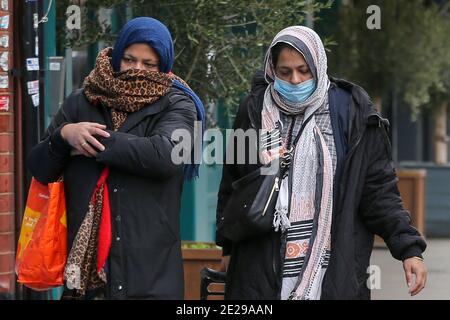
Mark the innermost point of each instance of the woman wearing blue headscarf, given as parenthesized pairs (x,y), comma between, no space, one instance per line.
(112,142)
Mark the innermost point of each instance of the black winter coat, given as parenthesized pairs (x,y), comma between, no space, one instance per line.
(366,202)
(145,190)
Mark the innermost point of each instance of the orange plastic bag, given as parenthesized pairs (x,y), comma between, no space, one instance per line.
(42,248)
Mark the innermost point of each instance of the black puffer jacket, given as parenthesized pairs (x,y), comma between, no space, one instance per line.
(145,190)
(366,202)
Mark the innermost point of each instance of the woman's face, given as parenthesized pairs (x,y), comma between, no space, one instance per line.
(292,67)
(140,56)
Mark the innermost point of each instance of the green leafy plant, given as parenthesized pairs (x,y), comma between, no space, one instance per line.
(407,56)
(198,245)
(218,44)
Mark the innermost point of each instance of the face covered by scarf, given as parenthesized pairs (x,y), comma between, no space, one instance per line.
(124,92)
(310,200)
(130,90)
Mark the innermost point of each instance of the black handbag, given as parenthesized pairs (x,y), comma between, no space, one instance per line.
(250,209)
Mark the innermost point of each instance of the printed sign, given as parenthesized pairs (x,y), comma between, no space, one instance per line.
(33,87)
(4,61)
(4,41)
(35,98)
(4,22)
(4,103)
(4,4)
(55,66)
(4,82)
(32,64)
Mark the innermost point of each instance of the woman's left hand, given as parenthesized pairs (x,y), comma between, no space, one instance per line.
(414,266)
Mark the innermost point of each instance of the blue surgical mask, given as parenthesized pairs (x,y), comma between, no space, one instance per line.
(295,93)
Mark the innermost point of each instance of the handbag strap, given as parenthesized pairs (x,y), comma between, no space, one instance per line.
(286,159)
(289,134)
(301,130)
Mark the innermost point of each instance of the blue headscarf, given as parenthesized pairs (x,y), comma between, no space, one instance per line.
(156,35)
(145,30)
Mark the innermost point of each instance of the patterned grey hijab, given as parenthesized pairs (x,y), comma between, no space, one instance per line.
(310,197)
(308,43)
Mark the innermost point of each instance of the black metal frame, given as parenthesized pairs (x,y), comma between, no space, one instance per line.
(209,276)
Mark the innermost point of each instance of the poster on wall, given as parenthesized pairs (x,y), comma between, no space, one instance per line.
(4,81)
(55,66)
(4,103)
(32,64)
(4,5)
(33,87)
(4,61)
(4,22)
(4,41)
(35,98)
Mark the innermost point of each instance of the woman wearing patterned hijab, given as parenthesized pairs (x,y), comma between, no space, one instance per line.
(112,143)
(339,192)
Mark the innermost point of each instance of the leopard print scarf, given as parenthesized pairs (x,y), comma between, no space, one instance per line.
(80,273)
(124,92)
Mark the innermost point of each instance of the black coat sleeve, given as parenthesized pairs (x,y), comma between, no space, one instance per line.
(47,159)
(381,206)
(230,173)
(151,156)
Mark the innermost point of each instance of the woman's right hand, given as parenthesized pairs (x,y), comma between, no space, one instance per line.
(81,136)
